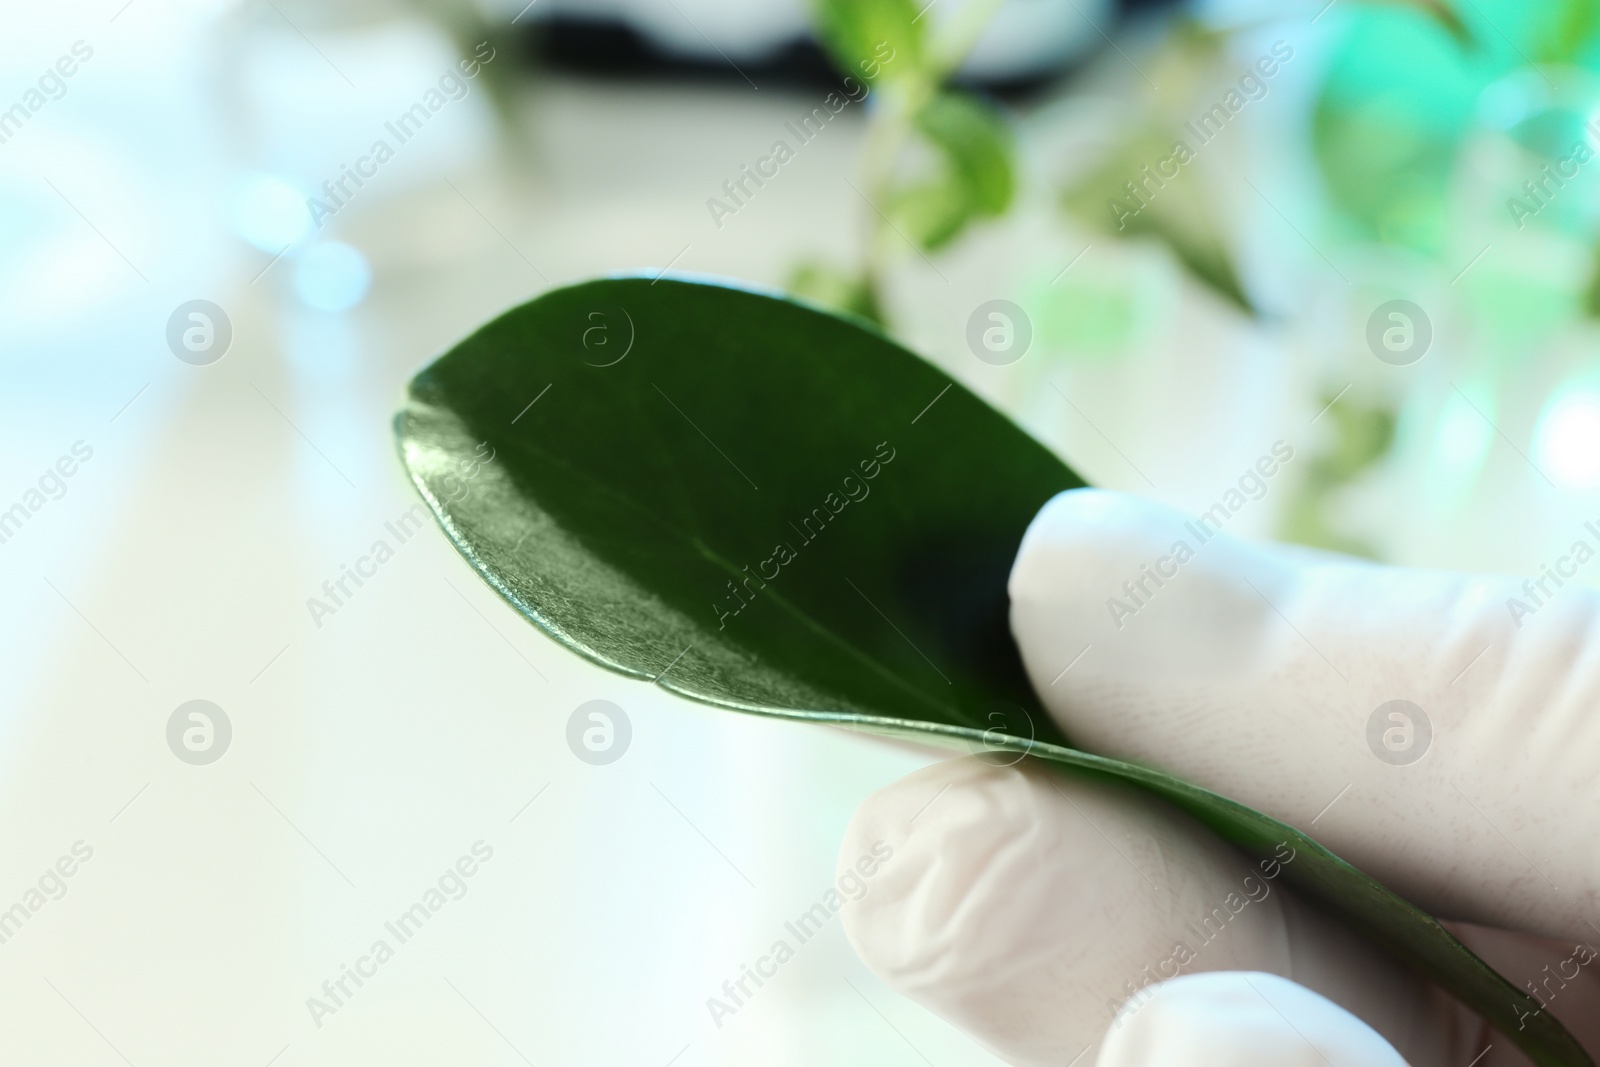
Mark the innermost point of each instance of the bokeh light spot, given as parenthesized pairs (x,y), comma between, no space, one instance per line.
(270,213)
(1567,440)
(332,276)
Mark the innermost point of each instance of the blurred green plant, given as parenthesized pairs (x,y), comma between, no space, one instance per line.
(1438,129)
(1374,167)
(1434,131)
(1401,102)
(938,158)
(1121,198)
(1361,436)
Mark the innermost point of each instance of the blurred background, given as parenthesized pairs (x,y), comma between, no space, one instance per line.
(231,229)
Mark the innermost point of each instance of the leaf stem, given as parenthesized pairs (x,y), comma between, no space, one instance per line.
(887,135)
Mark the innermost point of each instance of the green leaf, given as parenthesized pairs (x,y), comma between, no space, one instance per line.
(977,143)
(764,507)
(1447,17)
(1202,252)
(837,290)
(1362,435)
(932,213)
(1177,211)
(1591,291)
(869,38)
(976,178)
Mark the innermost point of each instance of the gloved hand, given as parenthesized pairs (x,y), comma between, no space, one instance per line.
(1040,912)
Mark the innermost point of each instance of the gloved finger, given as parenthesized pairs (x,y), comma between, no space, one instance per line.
(1241,1019)
(1028,907)
(1410,720)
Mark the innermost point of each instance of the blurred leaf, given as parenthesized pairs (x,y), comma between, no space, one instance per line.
(1591,292)
(1362,436)
(649,518)
(1388,176)
(1572,32)
(1201,251)
(977,142)
(1441,12)
(871,37)
(1397,102)
(1172,211)
(1144,187)
(933,212)
(832,288)
(976,178)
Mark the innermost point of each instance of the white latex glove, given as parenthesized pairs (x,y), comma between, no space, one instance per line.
(1040,911)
